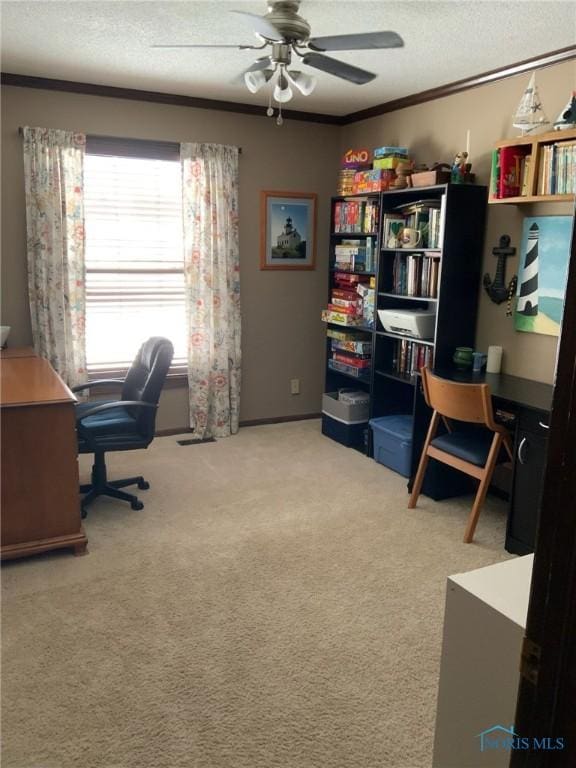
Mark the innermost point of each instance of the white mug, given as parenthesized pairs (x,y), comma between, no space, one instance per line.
(410,238)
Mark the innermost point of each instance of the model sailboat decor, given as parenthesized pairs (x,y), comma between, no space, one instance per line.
(567,117)
(530,114)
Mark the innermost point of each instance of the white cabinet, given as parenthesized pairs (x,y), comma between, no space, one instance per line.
(484,626)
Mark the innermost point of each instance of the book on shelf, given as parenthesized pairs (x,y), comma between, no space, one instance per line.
(495,175)
(415,274)
(355,216)
(557,170)
(525,165)
(355,255)
(410,356)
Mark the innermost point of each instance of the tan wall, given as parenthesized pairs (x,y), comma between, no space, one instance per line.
(435,132)
(282,335)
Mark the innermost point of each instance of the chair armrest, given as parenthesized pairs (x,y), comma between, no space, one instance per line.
(88,384)
(110,406)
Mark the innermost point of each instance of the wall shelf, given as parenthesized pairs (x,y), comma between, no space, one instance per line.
(526,168)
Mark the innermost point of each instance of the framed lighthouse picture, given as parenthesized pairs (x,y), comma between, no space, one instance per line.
(544,256)
(288,230)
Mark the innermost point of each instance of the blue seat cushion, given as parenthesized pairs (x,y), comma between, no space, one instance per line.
(115,421)
(469,446)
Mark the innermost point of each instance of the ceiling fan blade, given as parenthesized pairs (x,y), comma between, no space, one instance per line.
(259,64)
(261,25)
(338,68)
(359,42)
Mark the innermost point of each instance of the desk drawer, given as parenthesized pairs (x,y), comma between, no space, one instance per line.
(534,421)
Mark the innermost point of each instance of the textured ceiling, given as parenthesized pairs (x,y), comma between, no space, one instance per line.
(108,43)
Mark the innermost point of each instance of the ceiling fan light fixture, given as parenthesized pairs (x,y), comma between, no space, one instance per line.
(256,80)
(305,83)
(282,90)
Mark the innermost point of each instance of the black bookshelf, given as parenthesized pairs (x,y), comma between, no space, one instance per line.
(458,253)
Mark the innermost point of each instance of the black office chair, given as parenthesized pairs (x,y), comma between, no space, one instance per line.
(125,424)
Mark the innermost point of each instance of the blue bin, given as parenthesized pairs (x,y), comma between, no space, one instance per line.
(392,440)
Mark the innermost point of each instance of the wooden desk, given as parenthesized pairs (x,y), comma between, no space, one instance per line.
(530,403)
(40,488)
(17,352)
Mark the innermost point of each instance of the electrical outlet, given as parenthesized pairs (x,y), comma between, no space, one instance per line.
(294,386)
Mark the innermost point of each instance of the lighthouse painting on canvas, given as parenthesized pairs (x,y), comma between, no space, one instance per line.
(543,268)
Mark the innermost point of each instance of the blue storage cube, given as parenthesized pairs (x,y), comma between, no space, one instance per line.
(392,440)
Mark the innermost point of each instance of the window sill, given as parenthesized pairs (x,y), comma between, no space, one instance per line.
(175,380)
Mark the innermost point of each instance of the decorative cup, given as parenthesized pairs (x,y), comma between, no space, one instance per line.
(410,238)
(463,358)
(478,361)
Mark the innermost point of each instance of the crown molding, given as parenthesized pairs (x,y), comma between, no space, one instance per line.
(538,62)
(156,97)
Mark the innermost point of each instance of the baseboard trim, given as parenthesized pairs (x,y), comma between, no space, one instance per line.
(173,431)
(246,423)
(279,419)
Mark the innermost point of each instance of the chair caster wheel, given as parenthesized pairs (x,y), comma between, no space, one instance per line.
(136,504)
(83,513)
(143,485)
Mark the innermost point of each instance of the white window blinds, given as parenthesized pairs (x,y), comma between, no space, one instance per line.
(134,261)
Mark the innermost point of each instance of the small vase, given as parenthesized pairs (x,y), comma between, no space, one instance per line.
(463,358)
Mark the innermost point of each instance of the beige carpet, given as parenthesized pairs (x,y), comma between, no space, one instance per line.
(274,605)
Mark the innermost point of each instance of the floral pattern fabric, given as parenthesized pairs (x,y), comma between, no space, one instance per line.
(53,177)
(212,278)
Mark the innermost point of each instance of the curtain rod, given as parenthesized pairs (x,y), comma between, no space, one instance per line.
(125,138)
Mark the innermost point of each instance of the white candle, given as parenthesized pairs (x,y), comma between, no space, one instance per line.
(468,145)
(494,362)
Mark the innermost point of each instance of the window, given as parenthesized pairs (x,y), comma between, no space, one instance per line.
(134,255)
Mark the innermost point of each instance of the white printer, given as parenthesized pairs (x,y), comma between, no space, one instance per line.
(408,322)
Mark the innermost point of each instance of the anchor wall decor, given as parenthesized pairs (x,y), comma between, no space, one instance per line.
(497,288)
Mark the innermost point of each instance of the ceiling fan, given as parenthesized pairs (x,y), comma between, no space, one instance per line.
(286,34)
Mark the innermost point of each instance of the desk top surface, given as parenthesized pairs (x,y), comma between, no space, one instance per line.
(525,392)
(17,352)
(31,381)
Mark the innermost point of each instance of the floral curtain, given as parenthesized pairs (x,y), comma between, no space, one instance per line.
(212,276)
(53,177)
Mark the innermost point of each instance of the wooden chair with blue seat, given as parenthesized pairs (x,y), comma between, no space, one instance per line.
(473,443)
(123,425)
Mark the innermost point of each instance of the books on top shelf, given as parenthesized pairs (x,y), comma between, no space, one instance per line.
(511,166)
(557,172)
(355,216)
(415,274)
